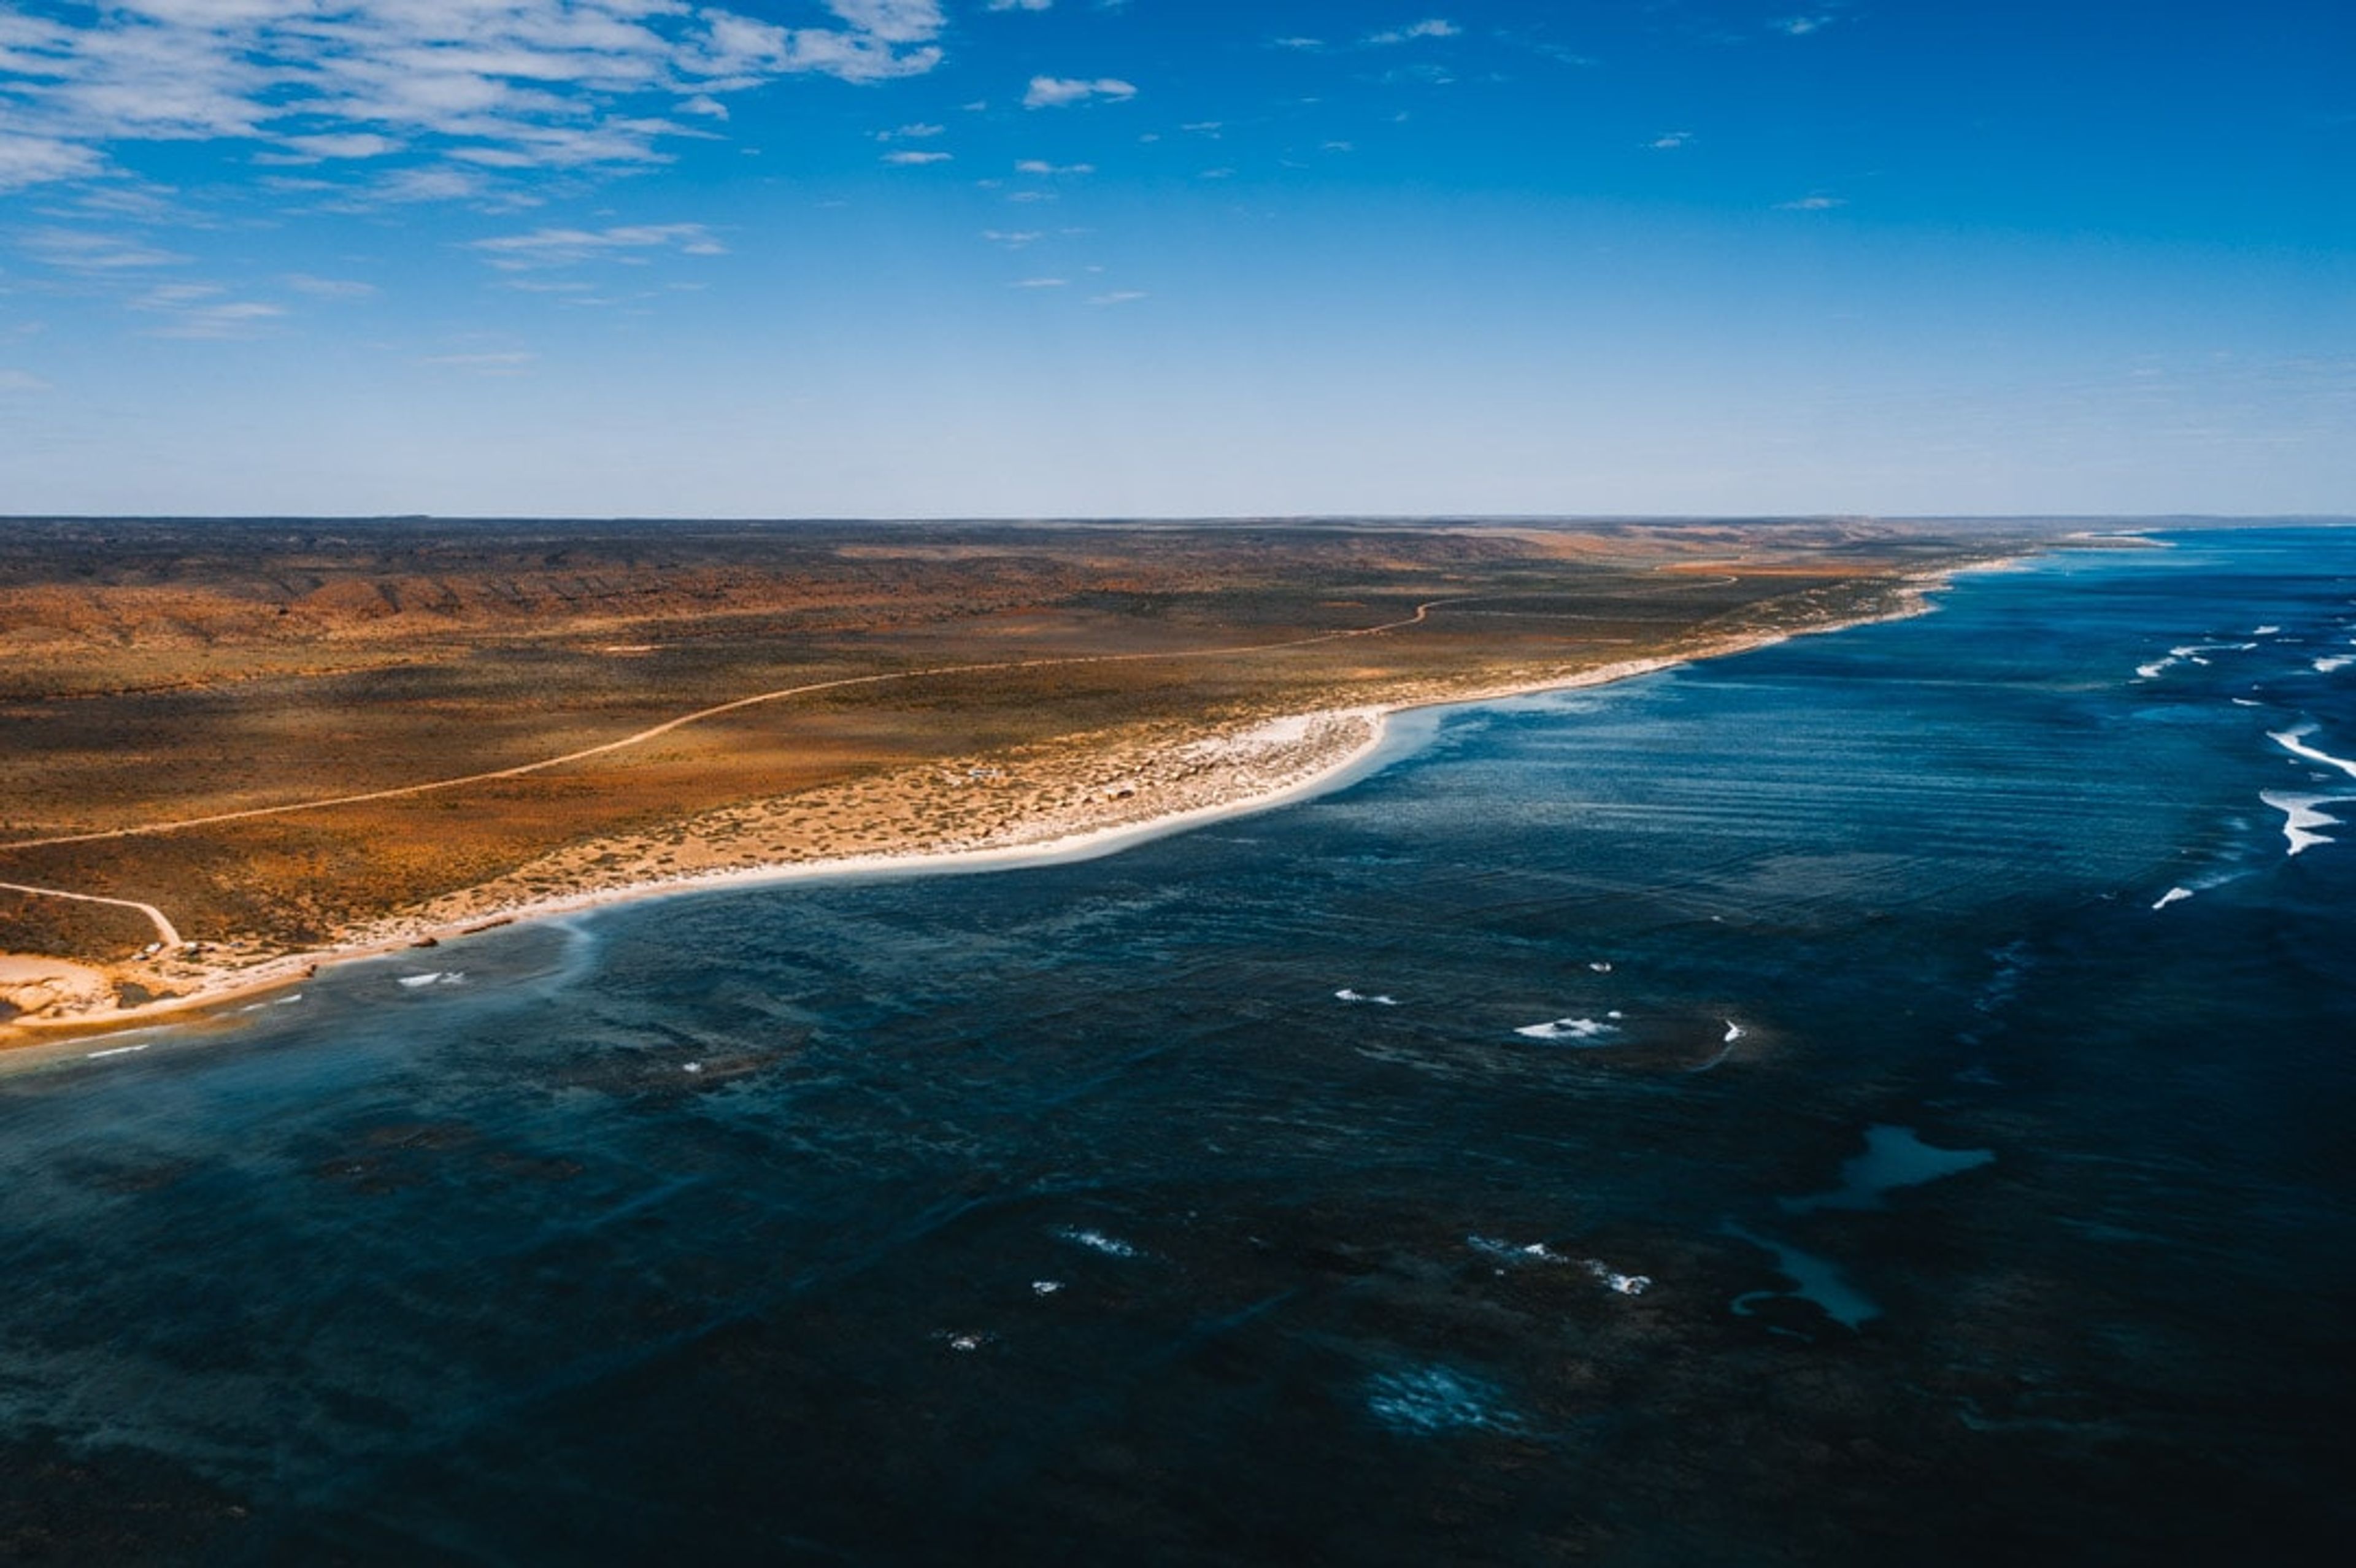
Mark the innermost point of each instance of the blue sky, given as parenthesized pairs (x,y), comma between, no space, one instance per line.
(963,258)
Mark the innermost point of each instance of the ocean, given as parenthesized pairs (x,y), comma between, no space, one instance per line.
(1883,1097)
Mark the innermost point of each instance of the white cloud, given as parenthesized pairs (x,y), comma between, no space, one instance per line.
(1811,204)
(1041,167)
(197,311)
(1800,27)
(504,82)
(1020,5)
(344,145)
(1118,296)
(81,251)
(1434,28)
(568,247)
(1014,240)
(1040,284)
(907,157)
(910,132)
(1298,43)
(34,160)
(1056,91)
(1669,140)
(21,381)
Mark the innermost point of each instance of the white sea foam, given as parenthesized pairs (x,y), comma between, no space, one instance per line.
(2301,817)
(1602,966)
(1579,1031)
(2332,663)
(439,977)
(117,1050)
(1045,1286)
(1733,1031)
(1348,995)
(2264,631)
(2294,740)
(2172,896)
(1612,1279)
(1097,1241)
(1512,1252)
(2245,702)
(2188,653)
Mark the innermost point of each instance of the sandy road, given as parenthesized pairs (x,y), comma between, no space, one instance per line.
(148,829)
(163,927)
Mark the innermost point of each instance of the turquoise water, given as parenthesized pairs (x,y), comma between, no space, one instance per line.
(1878,1098)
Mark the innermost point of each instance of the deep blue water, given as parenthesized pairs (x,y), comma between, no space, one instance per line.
(1775,1126)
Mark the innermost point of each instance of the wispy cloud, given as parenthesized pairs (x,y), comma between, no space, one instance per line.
(1117,296)
(570,247)
(27,160)
(1040,284)
(915,132)
(1812,204)
(1437,27)
(84,251)
(1041,167)
(1058,92)
(21,381)
(1669,140)
(499,84)
(905,157)
(199,310)
(1800,27)
(329,288)
(1014,240)
(1020,5)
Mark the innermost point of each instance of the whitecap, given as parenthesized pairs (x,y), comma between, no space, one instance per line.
(1045,1286)
(2294,740)
(116,1051)
(1513,1252)
(1602,966)
(2172,896)
(2332,663)
(1579,1031)
(439,977)
(2301,817)
(1097,1241)
(2264,631)
(1733,1031)
(1612,1279)
(1348,995)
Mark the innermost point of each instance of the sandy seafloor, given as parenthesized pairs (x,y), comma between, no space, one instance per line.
(1882,1098)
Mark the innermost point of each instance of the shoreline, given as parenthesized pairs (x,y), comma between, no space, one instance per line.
(1305,777)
